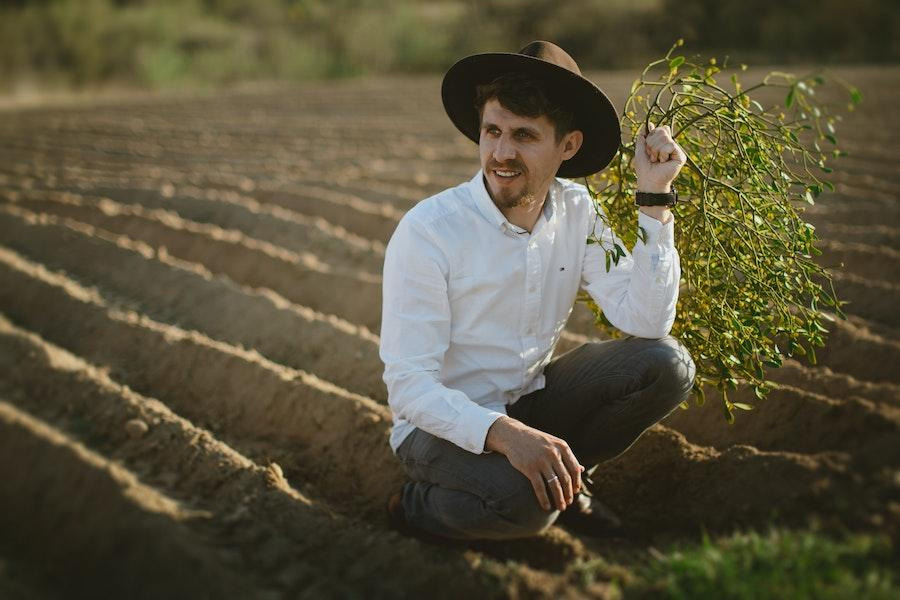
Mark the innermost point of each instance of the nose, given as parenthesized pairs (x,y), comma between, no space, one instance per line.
(504,150)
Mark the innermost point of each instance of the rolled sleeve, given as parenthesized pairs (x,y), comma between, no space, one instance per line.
(639,294)
(415,335)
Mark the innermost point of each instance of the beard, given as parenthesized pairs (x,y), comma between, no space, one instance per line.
(510,198)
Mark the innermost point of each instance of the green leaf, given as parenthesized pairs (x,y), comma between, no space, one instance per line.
(855,95)
(742,405)
(642,233)
(676,62)
(789,99)
(729,415)
(700,395)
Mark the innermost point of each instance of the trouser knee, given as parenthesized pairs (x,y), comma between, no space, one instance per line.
(525,514)
(671,362)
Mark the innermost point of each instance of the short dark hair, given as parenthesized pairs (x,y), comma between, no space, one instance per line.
(526,97)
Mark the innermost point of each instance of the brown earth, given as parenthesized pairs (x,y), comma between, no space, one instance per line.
(191,400)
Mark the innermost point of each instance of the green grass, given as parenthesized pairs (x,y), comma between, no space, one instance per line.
(749,565)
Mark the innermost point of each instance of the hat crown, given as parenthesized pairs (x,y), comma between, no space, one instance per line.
(551,53)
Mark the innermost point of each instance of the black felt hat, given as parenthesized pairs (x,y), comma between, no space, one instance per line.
(557,71)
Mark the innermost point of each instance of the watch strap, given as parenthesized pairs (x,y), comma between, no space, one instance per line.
(653,199)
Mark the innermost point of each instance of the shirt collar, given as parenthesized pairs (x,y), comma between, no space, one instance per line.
(490,211)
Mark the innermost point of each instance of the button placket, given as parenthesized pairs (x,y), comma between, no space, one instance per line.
(533,292)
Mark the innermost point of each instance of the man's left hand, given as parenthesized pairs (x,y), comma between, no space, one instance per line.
(657,159)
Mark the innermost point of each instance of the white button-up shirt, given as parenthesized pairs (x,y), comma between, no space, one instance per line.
(473,305)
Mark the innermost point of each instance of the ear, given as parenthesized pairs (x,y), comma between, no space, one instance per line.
(572,143)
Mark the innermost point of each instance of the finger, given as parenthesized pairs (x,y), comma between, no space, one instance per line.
(565,480)
(557,491)
(667,149)
(640,145)
(573,468)
(652,150)
(540,490)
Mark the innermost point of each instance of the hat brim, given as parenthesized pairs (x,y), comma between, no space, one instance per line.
(594,113)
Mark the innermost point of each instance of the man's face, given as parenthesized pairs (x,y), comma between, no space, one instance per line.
(525,146)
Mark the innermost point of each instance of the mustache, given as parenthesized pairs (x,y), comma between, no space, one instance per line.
(512,167)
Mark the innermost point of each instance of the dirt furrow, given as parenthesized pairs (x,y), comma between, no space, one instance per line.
(353,213)
(796,420)
(365,218)
(876,263)
(738,487)
(229,210)
(79,514)
(402,196)
(851,348)
(879,235)
(303,279)
(870,299)
(853,211)
(278,537)
(186,293)
(322,434)
(822,380)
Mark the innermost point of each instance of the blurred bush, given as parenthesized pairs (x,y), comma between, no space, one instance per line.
(163,43)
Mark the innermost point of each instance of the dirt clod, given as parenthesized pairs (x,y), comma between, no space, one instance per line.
(136,428)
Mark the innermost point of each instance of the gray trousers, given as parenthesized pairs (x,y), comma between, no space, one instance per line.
(599,398)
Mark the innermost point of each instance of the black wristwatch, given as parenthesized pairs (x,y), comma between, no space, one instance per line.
(651,199)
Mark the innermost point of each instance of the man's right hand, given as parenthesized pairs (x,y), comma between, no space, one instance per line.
(538,455)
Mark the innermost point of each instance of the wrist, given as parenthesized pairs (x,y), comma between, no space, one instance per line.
(660,213)
(654,188)
(495,440)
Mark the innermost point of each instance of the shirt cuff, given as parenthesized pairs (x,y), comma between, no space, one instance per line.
(660,236)
(477,421)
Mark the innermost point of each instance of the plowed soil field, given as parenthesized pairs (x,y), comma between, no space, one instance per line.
(191,402)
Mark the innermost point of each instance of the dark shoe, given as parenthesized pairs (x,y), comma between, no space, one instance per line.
(589,516)
(394,512)
(397,521)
